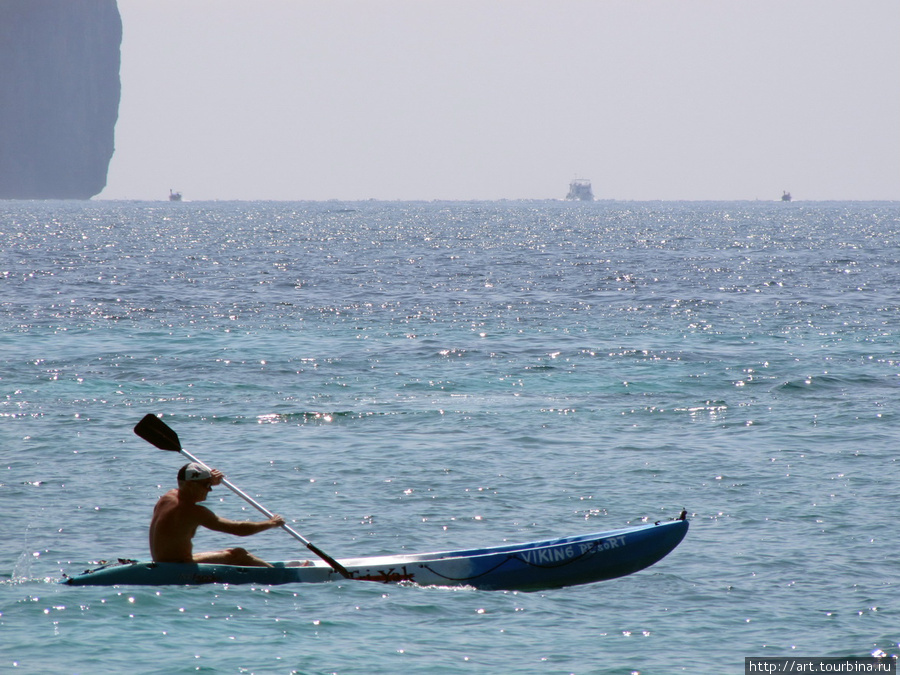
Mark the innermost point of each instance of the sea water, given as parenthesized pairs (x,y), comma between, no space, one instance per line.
(399,377)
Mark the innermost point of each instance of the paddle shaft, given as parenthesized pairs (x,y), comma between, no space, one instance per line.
(287,528)
(247,498)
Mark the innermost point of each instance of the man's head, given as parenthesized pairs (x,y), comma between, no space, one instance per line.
(193,471)
(195,478)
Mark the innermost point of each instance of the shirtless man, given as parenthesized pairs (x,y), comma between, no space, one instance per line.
(178,513)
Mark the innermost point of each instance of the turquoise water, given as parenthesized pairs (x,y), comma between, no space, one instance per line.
(425,376)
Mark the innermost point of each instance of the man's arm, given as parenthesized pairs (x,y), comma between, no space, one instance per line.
(240,528)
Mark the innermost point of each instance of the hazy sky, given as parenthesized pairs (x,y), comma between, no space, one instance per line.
(492,99)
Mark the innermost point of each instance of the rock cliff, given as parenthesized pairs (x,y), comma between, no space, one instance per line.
(59,96)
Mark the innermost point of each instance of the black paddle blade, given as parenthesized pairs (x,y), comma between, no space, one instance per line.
(334,564)
(155,431)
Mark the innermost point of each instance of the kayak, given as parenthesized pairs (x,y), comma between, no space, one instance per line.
(534,566)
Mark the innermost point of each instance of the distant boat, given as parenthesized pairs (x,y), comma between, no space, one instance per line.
(174,196)
(580,189)
(786,197)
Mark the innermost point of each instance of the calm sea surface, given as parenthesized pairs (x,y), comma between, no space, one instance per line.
(422,376)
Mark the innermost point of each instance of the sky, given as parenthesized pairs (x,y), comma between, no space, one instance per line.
(508,99)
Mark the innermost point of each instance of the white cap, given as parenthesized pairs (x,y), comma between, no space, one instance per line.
(194,471)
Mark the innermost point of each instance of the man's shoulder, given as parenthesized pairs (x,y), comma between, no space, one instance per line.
(172,503)
(168,500)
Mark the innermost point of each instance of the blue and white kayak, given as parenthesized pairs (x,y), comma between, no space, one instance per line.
(533,566)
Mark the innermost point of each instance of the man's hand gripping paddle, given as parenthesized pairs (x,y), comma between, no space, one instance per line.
(155,431)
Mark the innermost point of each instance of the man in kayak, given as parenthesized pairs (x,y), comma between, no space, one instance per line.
(178,513)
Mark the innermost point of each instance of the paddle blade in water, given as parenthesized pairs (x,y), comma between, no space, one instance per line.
(155,431)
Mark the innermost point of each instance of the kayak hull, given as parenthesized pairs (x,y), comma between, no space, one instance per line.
(539,565)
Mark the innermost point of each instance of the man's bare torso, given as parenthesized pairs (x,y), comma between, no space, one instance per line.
(172,527)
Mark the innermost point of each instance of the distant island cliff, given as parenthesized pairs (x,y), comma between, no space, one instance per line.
(59,96)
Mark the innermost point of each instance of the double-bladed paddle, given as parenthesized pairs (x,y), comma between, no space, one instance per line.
(155,431)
